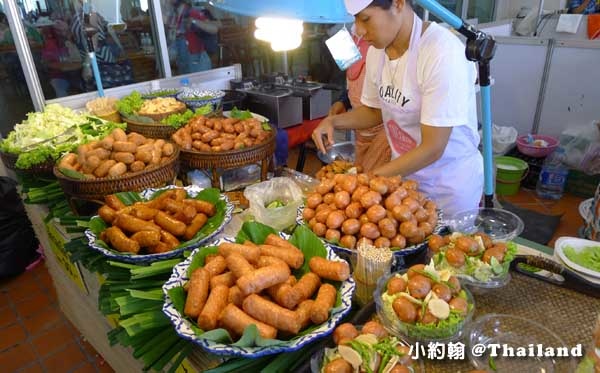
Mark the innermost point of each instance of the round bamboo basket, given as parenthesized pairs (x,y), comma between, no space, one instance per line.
(151,130)
(97,189)
(114,116)
(42,169)
(261,153)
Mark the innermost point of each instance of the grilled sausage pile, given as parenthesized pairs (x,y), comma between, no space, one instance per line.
(248,284)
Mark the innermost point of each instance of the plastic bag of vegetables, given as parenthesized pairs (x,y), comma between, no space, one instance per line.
(275,202)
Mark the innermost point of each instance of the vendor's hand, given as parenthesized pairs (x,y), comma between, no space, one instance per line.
(325,128)
(337,108)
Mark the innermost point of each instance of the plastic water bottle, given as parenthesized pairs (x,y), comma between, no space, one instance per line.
(553,177)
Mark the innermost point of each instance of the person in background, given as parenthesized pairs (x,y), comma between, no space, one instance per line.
(371,147)
(183,25)
(115,70)
(420,85)
(592,227)
(584,6)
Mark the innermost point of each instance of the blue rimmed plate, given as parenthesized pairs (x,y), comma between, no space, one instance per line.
(398,263)
(100,246)
(183,326)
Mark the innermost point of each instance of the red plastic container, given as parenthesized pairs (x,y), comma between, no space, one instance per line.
(537,151)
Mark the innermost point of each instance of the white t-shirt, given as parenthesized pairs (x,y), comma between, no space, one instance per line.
(446,82)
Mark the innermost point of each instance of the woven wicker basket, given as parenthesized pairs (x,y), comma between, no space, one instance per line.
(42,169)
(191,159)
(97,189)
(151,130)
(114,117)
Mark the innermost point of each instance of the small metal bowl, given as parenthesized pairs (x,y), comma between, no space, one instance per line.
(338,151)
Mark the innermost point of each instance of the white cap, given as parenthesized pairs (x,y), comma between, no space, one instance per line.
(356,6)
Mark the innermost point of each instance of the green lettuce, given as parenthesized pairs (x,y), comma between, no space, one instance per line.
(588,257)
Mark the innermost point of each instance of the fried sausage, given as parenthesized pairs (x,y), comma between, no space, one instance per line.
(329,269)
(235,320)
(271,313)
(324,302)
(141,211)
(204,207)
(197,293)
(279,292)
(195,225)
(262,278)
(132,224)
(120,241)
(136,138)
(107,214)
(180,194)
(124,146)
(264,261)
(146,238)
(114,202)
(303,313)
(183,212)
(117,170)
(226,278)
(124,157)
(238,265)
(291,255)
(235,296)
(119,135)
(161,247)
(102,170)
(137,166)
(304,289)
(217,300)
(168,238)
(251,253)
(169,224)
(216,266)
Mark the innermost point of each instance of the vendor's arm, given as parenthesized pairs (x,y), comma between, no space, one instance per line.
(433,144)
(203,23)
(361,118)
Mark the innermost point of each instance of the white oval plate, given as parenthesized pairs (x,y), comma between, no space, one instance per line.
(577,244)
(183,325)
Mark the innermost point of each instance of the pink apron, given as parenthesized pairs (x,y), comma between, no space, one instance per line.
(449,181)
(372,138)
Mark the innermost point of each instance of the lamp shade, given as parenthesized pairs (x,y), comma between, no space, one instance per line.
(311,11)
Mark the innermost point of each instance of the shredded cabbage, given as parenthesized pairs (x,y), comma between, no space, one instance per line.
(47,135)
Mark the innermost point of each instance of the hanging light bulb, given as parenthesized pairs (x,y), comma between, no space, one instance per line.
(283,34)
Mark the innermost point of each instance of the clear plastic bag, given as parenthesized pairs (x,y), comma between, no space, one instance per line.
(282,195)
(582,146)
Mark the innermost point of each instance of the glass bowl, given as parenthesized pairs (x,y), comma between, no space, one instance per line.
(515,332)
(500,225)
(418,333)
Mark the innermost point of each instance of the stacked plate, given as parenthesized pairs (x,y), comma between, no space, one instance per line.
(575,245)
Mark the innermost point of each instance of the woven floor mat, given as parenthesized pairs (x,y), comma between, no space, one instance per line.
(569,314)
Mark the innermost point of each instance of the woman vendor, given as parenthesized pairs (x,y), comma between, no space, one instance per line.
(371,149)
(421,87)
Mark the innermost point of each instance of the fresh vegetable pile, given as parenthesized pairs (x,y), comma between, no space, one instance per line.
(47,135)
(474,257)
(177,120)
(369,350)
(423,304)
(129,105)
(588,257)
